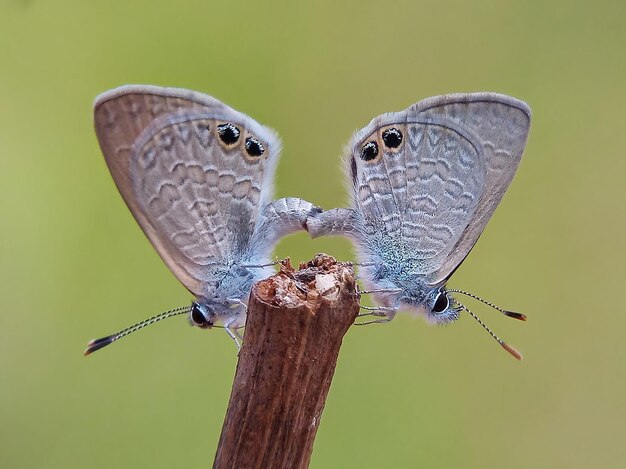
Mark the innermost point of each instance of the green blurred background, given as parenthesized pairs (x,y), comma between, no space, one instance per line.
(76,266)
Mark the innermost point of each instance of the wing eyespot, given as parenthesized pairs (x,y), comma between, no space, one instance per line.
(228,133)
(254,148)
(392,138)
(369,151)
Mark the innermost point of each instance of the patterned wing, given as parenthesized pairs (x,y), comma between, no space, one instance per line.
(193,172)
(417,182)
(502,124)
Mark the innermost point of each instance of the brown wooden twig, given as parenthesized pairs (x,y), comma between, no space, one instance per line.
(296,322)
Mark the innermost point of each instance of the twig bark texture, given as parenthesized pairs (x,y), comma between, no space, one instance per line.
(295,326)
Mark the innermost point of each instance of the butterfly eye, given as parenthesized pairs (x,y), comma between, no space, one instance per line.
(198,317)
(228,133)
(441,303)
(392,138)
(369,151)
(254,147)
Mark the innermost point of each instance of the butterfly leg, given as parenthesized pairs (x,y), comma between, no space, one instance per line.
(373,321)
(237,302)
(376,311)
(261,266)
(233,334)
(380,290)
(237,333)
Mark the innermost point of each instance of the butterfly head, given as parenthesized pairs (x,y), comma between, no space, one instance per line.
(201,315)
(435,304)
(440,307)
(398,289)
(230,312)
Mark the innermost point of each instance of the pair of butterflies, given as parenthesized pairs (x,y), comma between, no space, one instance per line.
(197,176)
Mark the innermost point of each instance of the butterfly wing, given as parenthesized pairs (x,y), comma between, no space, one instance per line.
(193,172)
(501,123)
(426,180)
(416,181)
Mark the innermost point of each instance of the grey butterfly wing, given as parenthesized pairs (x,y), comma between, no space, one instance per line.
(195,194)
(427,179)
(502,124)
(415,184)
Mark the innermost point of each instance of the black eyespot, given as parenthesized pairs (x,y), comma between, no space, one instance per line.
(392,138)
(228,133)
(441,303)
(254,147)
(369,151)
(196,315)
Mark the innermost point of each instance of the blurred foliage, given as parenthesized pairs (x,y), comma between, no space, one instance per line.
(76,266)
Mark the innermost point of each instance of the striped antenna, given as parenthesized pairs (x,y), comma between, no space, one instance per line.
(97,344)
(511,314)
(504,345)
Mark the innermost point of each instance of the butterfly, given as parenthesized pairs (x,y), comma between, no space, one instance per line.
(423,184)
(197,176)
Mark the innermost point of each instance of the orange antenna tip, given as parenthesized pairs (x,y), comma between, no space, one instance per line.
(511,350)
(514,315)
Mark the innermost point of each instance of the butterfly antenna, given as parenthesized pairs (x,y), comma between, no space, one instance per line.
(511,314)
(97,344)
(504,345)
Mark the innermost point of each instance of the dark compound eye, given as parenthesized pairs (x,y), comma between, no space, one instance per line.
(369,151)
(392,138)
(228,133)
(196,315)
(441,303)
(254,147)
